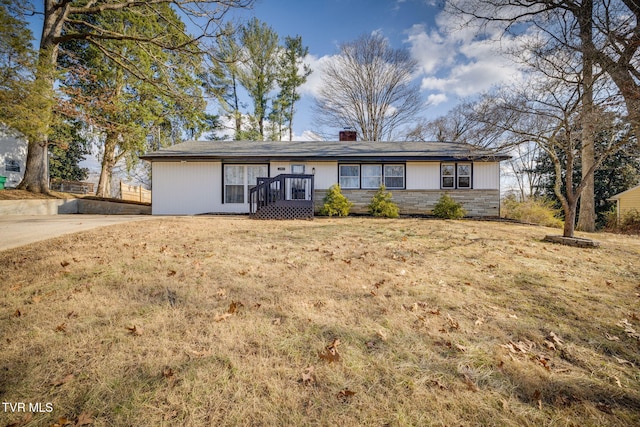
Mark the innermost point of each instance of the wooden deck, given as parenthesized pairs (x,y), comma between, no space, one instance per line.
(286,196)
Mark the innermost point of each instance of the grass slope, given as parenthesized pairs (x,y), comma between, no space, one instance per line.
(357,321)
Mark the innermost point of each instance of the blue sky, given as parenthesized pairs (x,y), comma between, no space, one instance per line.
(455,62)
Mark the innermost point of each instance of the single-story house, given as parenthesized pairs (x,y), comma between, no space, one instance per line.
(197,177)
(13,157)
(627,201)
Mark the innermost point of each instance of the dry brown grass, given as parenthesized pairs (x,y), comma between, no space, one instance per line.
(227,321)
(12,194)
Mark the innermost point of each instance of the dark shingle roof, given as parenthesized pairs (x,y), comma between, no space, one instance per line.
(321,150)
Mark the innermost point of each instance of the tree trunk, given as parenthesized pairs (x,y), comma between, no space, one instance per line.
(587,215)
(569,220)
(36,171)
(108,163)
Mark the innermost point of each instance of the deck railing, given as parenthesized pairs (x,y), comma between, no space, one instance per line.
(286,193)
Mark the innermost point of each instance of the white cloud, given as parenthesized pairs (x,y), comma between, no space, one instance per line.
(436,99)
(314,81)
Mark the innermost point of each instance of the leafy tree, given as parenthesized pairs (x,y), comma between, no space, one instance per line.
(22,96)
(292,74)
(368,87)
(76,20)
(126,91)
(259,69)
(69,147)
(224,76)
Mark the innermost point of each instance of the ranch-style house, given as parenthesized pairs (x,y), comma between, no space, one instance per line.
(286,179)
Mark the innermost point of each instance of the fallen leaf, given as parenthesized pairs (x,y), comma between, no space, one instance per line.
(513,316)
(221,317)
(62,421)
(330,353)
(308,376)
(134,330)
(382,334)
(611,337)
(171,273)
(17,313)
(61,327)
(72,314)
(479,321)
(167,372)
(461,348)
(84,420)
(438,384)
(345,395)
(234,307)
(63,381)
(553,337)
(64,263)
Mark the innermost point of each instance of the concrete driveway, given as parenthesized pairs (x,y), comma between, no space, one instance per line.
(19,230)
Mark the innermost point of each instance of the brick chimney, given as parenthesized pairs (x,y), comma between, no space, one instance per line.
(348,134)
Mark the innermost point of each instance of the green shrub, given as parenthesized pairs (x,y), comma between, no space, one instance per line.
(381,204)
(335,203)
(538,211)
(447,208)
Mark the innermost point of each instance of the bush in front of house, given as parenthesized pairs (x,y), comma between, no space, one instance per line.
(628,224)
(447,208)
(335,203)
(382,205)
(538,211)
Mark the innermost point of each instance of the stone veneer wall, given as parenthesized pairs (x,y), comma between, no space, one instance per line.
(478,203)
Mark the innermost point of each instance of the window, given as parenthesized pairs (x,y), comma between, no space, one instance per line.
(11,165)
(464,175)
(371,176)
(455,175)
(239,179)
(394,176)
(350,176)
(297,169)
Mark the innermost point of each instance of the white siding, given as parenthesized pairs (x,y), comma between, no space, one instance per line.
(273,168)
(423,175)
(326,173)
(12,148)
(186,188)
(486,176)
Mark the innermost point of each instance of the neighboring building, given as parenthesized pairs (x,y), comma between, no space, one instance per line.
(198,177)
(627,201)
(13,157)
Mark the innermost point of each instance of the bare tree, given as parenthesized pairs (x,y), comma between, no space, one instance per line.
(549,114)
(604,36)
(369,87)
(69,20)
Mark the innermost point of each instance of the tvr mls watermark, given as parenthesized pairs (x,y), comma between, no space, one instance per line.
(27,406)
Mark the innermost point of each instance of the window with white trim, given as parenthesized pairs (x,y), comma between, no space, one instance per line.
(394,176)
(372,176)
(349,176)
(464,175)
(239,179)
(455,175)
